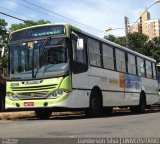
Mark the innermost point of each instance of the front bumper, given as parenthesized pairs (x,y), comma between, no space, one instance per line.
(30,104)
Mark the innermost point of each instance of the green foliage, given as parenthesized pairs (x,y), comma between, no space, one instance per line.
(111,38)
(118,40)
(154,47)
(27,23)
(3,42)
(121,41)
(3,23)
(137,42)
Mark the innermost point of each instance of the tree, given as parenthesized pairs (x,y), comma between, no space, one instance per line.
(138,42)
(3,42)
(118,40)
(121,41)
(154,48)
(111,38)
(27,23)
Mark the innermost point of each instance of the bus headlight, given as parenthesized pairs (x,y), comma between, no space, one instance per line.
(57,93)
(12,96)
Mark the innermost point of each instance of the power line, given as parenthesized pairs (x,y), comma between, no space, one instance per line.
(17,13)
(133,22)
(68,19)
(83,25)
(142,15)
(89,27)
(100,7)
(33,9)
(14,17)
(25,20)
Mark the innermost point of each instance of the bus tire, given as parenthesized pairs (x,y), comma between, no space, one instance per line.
(95,105)
(142,104)
(43,113)
(141,107)
(2,104)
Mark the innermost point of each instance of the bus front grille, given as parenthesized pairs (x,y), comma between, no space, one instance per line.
(32,95)
(34,88)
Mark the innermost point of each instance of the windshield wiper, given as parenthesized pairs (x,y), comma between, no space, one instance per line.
(48,39)
(46,44)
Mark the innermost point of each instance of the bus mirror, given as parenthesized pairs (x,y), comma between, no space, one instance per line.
(80,44)
(2,52)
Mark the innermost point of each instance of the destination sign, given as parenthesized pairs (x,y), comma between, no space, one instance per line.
(37,32)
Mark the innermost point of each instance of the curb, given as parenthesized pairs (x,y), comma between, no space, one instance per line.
(16,115)
(30,114)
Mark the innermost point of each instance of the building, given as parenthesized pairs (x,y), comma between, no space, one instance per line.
(144,16)
(152,28)
(149,27)
(134,27)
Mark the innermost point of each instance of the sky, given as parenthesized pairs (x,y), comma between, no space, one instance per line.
(92,16)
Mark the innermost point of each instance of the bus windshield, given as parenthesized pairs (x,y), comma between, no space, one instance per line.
(38,59)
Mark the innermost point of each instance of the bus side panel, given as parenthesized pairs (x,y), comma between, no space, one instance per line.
(111,84)
(77,99)
(150,87)
(81,91)
(133,88)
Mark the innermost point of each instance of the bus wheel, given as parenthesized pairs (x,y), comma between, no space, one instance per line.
(142,104)
(43,113)
(141,107)
(95,105)
(2,104)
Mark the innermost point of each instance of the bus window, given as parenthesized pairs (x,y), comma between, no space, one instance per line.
(15,61)
(154,70)
(131,64)
(79,55)
(108,58)
(140,66)
(148,69)
(120,60)
(94,52)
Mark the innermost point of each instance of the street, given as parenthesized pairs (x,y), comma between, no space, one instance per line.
(116,125)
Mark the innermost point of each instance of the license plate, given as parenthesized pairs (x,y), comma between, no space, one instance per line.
(28,103)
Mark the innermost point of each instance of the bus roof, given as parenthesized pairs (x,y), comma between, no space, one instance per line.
(41,25)
(90,35)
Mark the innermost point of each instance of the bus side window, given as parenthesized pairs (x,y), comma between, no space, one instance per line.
(79,55)
(131,64)
(120,61)
(154,71)
(108,56)
(148,69)
(141,66)
(94,52)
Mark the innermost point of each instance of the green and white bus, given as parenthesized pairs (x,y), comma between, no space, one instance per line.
(57,67)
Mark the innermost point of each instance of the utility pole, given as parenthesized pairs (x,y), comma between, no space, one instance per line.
(126,31)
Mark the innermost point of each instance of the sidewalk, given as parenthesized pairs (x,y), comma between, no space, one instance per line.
(31,114)
(16,115)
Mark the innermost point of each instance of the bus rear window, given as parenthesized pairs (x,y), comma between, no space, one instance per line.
(37,32)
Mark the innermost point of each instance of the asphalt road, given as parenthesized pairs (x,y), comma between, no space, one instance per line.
(122,124)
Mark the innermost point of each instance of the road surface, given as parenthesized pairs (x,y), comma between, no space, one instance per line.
(122,124)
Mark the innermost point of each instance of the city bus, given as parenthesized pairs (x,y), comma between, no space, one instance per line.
(59,67)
